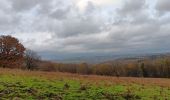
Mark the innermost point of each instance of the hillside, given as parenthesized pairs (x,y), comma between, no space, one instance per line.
(31,85)
(94,59)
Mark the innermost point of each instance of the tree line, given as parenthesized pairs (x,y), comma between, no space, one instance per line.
(158,68)
(14,55)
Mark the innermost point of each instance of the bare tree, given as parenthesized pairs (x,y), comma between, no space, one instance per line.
(31,59)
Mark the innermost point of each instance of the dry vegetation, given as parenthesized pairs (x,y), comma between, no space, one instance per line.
(88,78)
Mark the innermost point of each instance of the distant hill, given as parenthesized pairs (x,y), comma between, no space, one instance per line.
(110,58)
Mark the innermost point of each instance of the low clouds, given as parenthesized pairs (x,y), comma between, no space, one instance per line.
(88,26)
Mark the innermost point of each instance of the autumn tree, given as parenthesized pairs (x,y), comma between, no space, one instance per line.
(103,69)
(31,59)
(11,52)
(82,68)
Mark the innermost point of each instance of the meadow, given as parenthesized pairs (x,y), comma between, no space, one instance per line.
(17,84)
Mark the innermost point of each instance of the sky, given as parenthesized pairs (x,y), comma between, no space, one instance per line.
(65,28)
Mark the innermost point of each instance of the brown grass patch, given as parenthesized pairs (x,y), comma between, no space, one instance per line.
(163,82)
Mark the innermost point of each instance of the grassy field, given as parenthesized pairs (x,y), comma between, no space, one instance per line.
(28,85)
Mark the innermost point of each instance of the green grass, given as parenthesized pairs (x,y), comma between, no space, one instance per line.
(15,87)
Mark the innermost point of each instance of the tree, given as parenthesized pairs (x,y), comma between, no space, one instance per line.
(11,52)
(31,59)
(82,68)
(103,69)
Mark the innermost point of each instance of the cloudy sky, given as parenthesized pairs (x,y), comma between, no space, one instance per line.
(84,27)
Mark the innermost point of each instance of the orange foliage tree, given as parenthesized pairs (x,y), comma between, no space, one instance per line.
(11,52)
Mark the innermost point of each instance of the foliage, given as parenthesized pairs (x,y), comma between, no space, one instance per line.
(158,68)
(11,52)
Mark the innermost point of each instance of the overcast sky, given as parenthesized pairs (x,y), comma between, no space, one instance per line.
(66,27)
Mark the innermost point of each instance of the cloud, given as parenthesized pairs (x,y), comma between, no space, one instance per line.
(88,26)
(20,5)
(76,26)
(163,6)
(60,13)
(132,7)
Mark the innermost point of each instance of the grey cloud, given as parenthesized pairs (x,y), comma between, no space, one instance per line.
(90,7)
(47,7)
(60,13)
(63,28)
(132,7)
(163,6)
(4,5)
(8,22)
(134,12)
(79,25)
(21,5)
